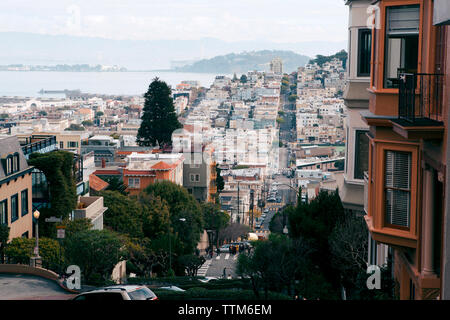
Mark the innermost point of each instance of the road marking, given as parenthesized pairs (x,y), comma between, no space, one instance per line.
(227,256)
(204,268)
(235,257)
(218,258)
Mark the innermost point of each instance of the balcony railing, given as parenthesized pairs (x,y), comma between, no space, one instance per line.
(42,146)
(420,98)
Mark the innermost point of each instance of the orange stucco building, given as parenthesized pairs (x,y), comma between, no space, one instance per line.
(408,122)
(144,169)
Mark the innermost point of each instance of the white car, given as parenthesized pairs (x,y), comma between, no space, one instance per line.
(118,293)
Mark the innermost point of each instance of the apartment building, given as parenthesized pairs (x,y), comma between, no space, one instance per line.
(15,189)
(406,189)
(141,170)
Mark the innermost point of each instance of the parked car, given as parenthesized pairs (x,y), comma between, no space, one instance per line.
(118,293)
(225,248)
(172,288)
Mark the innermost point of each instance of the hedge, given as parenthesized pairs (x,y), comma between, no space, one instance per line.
(205,294)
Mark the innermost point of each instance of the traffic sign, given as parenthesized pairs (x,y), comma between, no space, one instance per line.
(60,233)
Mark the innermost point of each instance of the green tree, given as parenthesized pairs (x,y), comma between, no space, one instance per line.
(115,184)
(99,114)
(215,219)
(20,250)
(159,119)
(78,225)
(191,263)
(74,127)
(275,264)
(95,252)
(87,123)
(243,79)
(142,256)
(155,216)
(292,98)
(315,221)
(124,214)
(185,212)
(58,167)
(219,180)
(4,236)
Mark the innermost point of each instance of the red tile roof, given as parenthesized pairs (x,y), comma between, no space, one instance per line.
(96,183)
(162,166)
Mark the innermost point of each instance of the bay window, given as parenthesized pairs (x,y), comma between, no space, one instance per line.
(401,43)
(397,188)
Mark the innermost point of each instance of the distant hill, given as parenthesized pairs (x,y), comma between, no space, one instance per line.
(246,61)
(40,49)
(320,59)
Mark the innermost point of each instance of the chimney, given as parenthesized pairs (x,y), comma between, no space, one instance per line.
(103,163)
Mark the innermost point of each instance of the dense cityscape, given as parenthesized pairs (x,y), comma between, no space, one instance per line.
(327,182)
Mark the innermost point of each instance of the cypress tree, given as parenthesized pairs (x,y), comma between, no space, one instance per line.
(159,119)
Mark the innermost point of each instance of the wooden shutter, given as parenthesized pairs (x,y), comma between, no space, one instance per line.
(397,185)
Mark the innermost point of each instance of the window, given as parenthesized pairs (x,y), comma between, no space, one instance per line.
(72,144)
(14,208)
(24,202)
(402,43)
(61,144)
(4,212)
(15,163)
(361,154)
(134,182)
(364,52)
(25,235)
(12,164)
(397,188)
(197,178)
(9,165)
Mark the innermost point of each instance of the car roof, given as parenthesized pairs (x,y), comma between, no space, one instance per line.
(127,288)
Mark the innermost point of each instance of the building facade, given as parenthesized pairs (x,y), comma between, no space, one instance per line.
(408,124)
(15,189)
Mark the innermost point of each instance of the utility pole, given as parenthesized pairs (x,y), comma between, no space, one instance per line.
(238,213)
(252,196)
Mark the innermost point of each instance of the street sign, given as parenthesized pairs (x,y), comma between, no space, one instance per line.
(53,219)
(60,233)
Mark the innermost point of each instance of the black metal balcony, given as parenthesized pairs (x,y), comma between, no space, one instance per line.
(46,144)
(420,99)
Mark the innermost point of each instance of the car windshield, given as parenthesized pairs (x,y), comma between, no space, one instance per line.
(141,294)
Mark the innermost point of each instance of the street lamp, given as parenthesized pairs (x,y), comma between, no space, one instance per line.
(36,215)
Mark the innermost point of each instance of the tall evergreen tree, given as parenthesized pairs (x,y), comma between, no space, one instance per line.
(159,119)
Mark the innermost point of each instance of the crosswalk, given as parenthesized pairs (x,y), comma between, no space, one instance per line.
(227,256)
(204,268)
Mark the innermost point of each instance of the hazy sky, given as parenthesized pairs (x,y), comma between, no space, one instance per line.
(229,20)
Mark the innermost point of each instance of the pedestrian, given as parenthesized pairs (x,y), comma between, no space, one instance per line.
(225,273)
(218,251)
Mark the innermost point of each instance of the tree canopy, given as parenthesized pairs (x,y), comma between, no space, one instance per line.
(159,119)
(184,211)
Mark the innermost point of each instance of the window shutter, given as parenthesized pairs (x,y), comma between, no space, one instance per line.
(397,188)
(403,20)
